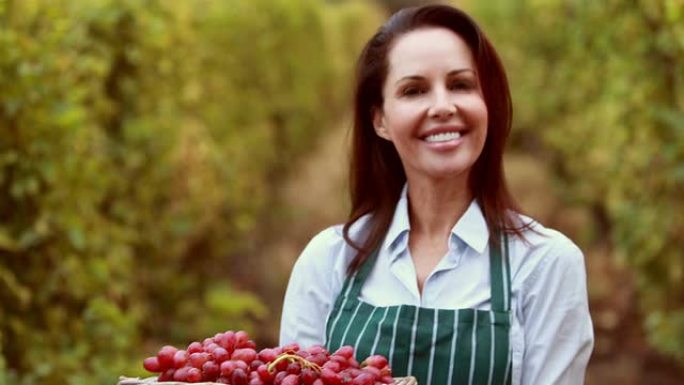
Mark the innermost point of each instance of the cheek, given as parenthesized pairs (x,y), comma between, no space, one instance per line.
(400,118)
(476,112)
(477,117)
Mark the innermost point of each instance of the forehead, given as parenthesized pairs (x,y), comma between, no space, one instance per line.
(427,49)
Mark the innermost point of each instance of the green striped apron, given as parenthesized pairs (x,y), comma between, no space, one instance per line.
(437,346)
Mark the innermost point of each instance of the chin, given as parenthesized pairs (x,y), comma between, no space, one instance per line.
(441,173)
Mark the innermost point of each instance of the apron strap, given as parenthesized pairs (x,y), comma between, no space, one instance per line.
(360,277)
(499,270)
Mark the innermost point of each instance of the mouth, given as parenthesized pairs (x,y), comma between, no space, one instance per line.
(443,135)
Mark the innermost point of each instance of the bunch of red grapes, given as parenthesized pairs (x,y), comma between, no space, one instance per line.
(232,358)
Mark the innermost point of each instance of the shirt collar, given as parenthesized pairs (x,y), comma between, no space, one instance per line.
(471,228)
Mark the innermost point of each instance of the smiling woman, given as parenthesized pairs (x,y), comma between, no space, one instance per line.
(436,268)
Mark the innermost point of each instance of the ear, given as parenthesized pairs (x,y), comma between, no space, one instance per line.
(379,124)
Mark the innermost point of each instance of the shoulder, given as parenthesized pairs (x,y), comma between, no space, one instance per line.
(543,251)
(541,239)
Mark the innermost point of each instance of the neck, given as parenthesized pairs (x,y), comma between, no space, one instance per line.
(436,205)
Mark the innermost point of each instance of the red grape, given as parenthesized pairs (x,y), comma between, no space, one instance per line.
(376,360)
(343,361)
(363,379)
(242,365)
(279,378)
(195,375)
(250,344)
(267,354)
(196,360)
(227,341)
(373,370)
(316,349)
(333,365)
(181,374)
(210,370)
(221,354)
(246,354)
(241,339)
(165,356)
(180,359)
(281,366)
(167,375)
(194,347)
(290,379)
(227,368)
(330,377)
(294,368)
(255,364)
(346,376)
(318,359)
(151,364)
(239,377)
(264,374)
(291,348)
(346,351)
(308,376)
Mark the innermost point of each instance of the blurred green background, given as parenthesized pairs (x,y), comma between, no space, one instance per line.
(162,163)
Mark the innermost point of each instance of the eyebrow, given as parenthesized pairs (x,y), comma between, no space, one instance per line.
(418,77)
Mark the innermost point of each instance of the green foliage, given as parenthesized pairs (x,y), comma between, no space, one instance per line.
(139,143)
(599,92)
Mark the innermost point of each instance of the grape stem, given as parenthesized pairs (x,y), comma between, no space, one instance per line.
(293,358)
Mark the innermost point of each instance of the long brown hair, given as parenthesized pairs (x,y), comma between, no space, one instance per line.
(376,173)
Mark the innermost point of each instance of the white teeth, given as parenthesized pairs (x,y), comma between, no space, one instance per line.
(443,137)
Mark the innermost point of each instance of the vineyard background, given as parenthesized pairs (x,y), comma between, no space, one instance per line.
(162,163)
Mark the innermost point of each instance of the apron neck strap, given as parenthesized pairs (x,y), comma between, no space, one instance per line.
(499,272)
(358,279)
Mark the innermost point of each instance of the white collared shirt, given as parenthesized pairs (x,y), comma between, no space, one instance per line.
(551,334)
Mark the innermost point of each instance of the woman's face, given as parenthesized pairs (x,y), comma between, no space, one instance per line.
(434,110)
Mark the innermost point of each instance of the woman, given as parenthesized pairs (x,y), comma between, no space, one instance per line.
(435,268)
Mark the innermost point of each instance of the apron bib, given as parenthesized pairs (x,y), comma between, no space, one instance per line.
(437,346)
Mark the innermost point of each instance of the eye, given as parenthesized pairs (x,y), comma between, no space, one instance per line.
(412,90)
(460,84)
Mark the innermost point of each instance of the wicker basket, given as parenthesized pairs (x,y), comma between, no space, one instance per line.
(153,380)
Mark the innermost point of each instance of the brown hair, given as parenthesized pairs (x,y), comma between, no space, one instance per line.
(376,172)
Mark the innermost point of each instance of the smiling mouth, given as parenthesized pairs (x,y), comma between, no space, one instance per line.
(442,137)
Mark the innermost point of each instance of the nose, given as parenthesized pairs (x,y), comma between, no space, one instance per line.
(442,107)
